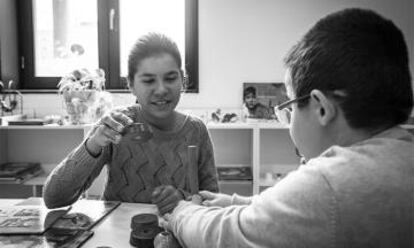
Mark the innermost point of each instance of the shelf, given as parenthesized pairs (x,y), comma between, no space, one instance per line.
(247,125)
(40,180)
(45,127)
(236,125)
(37,181)
(279,168)
(233,165)
(272,125)
(250,182)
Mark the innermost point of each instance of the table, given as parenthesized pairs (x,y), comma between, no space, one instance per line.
(114,230)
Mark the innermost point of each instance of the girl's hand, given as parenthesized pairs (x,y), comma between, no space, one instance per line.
(215,199)
(107,130)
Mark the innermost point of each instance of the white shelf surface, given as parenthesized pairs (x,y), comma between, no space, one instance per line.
(247,125)
(272,125)
(37,181)
(44,127)
(249,182)
(236,125)
(233,165)
(41,179)
(278,168)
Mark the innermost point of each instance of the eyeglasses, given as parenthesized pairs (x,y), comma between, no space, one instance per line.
(283,113)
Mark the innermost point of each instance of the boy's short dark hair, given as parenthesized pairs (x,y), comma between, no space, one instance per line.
(361,54)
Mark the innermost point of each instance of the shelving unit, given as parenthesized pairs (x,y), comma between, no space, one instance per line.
(47,145)
(264,147)
(233,147)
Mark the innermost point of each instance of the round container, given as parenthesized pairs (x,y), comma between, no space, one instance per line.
(144,229)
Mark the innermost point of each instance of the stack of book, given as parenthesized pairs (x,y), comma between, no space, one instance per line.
(16,173)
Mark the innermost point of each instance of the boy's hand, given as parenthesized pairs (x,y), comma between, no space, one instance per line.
(215,199)
(166,197)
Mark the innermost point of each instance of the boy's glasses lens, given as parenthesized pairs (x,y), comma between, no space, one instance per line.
(283,116)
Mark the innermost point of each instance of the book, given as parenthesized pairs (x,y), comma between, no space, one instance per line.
(28,219)
(53,238)
(26,122)
(8,170)
(234,173)
(16,173)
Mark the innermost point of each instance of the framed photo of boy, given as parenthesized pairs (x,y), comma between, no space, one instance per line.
(260,98)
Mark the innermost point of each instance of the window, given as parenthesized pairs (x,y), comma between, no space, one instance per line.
(56,36)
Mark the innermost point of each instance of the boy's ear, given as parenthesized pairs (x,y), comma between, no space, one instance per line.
(325,109)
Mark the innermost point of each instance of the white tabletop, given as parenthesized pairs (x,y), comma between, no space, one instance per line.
(114,230)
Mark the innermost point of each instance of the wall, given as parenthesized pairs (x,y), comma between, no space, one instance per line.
(246,40)
(8,41)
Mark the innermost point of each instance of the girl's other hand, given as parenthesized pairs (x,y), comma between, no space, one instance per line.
(107,130)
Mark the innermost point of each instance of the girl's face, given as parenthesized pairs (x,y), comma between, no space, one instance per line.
(157,85)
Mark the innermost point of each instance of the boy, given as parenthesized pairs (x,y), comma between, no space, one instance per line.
(350,88)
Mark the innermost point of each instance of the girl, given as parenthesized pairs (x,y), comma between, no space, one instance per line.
(147,162)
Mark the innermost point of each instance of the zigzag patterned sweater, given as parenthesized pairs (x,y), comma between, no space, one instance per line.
(135,168)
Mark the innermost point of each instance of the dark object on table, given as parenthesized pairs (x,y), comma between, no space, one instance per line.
(144,229)
(234,173)
(85,214)
(15,173)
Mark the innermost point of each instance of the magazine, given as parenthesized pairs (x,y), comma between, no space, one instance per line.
(70,230)
(28,219)
(53,238)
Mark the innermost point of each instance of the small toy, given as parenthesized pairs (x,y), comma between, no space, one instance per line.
(137,132)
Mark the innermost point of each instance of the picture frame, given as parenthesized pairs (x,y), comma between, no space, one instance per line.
(260,98)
